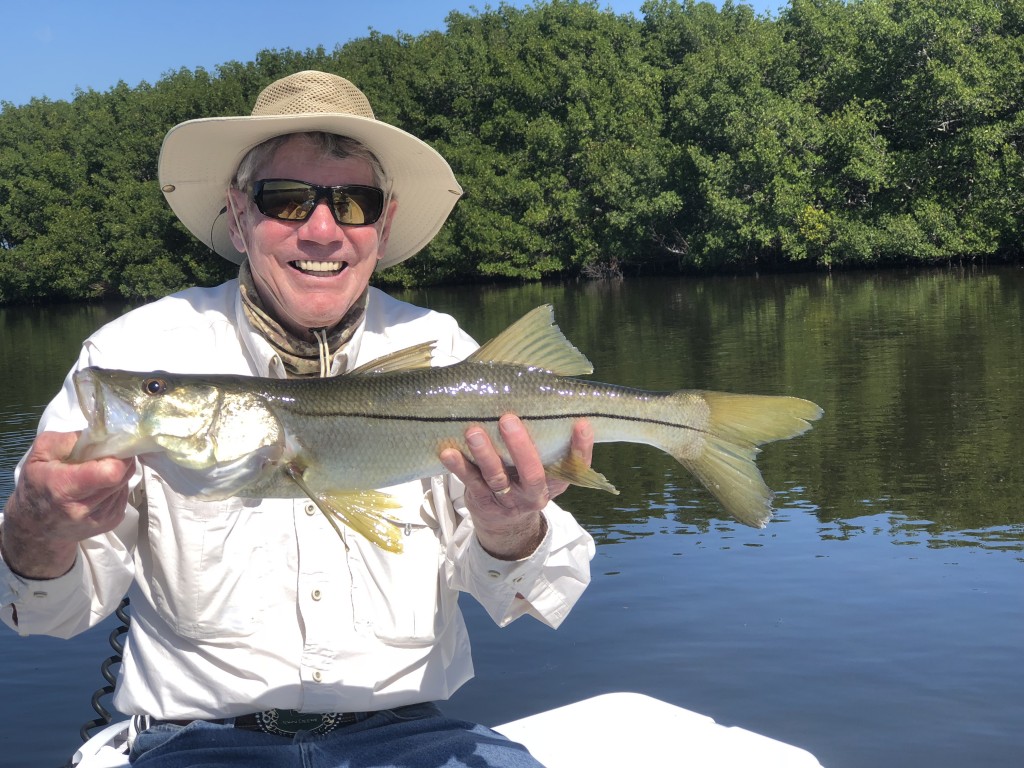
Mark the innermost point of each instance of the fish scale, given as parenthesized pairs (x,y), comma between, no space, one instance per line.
(401,421)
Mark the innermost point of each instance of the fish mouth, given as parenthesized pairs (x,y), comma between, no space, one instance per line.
(317,268)
(90,398)
(112,420)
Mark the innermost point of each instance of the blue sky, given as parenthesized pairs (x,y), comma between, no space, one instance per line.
(50,49)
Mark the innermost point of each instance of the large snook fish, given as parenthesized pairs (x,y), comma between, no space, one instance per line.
(336,440)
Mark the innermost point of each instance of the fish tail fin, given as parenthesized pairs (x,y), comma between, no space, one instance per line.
(736,426)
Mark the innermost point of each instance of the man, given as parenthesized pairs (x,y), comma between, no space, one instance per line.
(257,637)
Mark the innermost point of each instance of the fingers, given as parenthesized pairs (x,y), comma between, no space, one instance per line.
(582,445)
(457,463)
(106,513)
(522,485)
(56,504)
(52,446)
(525,457)
(72,501)
(506,501)
(489,462)
(485,472)
(95,481)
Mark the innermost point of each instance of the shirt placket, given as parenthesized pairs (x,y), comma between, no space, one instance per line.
(325,606)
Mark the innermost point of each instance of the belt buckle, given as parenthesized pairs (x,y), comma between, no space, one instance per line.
(288,722)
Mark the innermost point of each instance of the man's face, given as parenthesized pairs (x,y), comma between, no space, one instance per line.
(308,273)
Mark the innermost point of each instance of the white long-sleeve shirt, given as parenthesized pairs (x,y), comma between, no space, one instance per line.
(243,605)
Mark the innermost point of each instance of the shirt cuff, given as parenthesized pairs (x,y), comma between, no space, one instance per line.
(517,587)
(28,605)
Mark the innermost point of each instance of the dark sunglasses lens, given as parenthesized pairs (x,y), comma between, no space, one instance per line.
(357,204)
(284,199)
(352,204)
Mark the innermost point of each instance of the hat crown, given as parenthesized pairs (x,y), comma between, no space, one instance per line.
(310,93)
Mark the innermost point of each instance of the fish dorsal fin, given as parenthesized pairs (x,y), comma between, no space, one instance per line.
(407,359)
(536,342)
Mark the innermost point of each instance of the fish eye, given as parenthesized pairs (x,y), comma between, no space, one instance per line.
(154,386)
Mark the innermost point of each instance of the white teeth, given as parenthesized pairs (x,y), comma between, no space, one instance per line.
(319,266)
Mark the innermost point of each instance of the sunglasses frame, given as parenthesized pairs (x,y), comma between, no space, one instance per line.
(322,193)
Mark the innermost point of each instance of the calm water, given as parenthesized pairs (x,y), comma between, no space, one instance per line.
(877,621)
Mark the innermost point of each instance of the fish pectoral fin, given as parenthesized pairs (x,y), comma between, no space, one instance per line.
(411,358)
(365,513)
(575,471)
(536,342)
(362,511)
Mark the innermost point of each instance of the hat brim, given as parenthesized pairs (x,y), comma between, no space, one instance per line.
(199,158)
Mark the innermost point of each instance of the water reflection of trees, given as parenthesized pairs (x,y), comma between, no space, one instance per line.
(918,373)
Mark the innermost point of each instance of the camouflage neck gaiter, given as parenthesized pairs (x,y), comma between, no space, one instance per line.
(300,357)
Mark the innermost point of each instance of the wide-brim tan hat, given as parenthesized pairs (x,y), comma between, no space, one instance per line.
(199,158)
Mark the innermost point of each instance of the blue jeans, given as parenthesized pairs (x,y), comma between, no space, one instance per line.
(405,738)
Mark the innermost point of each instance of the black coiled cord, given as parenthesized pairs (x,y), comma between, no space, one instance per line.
(105,669)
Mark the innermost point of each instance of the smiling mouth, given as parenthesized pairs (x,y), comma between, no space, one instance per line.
(324,268)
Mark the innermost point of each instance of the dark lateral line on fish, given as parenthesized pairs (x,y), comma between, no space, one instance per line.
(488,419)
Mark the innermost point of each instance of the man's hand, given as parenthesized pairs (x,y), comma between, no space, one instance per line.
(55,505)
(506,506)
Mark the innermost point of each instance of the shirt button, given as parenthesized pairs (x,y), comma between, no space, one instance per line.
(317,676)
(310,509)
(316,594)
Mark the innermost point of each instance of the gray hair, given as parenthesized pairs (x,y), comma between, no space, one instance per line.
(328,145)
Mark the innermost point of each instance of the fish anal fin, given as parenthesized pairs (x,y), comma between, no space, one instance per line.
(575,471)
(535,341)
(411,358)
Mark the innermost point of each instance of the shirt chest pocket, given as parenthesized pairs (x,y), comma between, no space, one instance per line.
(400,597)
(209,580)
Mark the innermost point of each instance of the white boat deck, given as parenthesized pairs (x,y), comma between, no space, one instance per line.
(614,729)
(630,729)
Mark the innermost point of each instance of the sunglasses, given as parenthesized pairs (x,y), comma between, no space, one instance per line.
(291,200)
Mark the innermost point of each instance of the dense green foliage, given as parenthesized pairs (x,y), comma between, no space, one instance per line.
(838,133)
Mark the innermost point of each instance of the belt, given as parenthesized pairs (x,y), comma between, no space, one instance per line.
(280,722)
